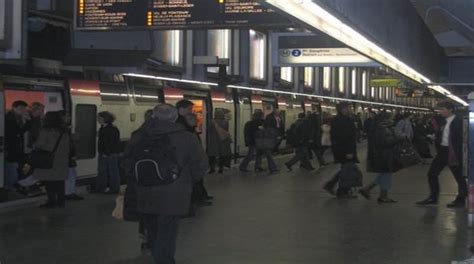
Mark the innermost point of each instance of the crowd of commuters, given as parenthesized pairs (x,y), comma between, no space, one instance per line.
(159,206)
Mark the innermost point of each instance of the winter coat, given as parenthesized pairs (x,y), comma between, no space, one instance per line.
(175,198)
(314,129)
(455,139)
(219,139)
(250,129)
(343,138)
(109,140)
(271,123)
(380,156)
(46,141)
(405,128)
(326,136)
(14,138)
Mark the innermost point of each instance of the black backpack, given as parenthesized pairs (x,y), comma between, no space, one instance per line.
(155,162)
(293,136)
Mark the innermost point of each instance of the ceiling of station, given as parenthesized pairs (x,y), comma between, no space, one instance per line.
(452,24)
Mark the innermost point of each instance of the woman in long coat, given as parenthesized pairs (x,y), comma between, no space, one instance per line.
(219,142)
(383,142)
(54,131)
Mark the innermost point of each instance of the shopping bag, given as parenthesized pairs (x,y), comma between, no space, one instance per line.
(405,155)
(350,176)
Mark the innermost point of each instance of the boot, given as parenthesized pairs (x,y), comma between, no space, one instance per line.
(366,190)
(384,198)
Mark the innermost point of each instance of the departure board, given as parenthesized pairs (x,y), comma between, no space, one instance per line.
(174,14)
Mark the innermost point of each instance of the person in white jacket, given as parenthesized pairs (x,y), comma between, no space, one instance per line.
(325,136)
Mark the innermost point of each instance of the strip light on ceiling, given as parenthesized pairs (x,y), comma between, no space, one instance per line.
(145,76)
(314,15)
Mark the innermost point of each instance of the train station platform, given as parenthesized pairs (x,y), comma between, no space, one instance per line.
(256,218)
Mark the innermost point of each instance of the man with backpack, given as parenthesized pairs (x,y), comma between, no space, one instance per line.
(164,161)
(297,137)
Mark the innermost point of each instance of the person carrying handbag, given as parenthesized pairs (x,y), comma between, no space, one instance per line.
(380,157)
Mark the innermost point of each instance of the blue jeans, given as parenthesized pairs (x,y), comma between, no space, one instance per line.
(162,233)
(384,180)
(253,152)
(11,174)
(70,183)
(108,174)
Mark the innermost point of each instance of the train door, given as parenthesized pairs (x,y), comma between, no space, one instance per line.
(85,104)
(200,110)
(245,115)
(52,94)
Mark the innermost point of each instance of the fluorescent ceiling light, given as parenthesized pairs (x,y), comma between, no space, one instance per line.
(314,15)
(273,91)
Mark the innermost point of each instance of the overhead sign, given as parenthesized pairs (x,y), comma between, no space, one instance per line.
(308,50)
(406,92)
(386,82)
(174,14)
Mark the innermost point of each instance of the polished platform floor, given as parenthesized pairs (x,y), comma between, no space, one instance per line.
(256,218)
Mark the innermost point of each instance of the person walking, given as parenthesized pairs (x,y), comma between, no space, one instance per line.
(449,142)
(344,147)
(314,137)
(162,206)
(54,134)
(109,149)
(298,137)
(250,130)
(219,150)
(325,136)
(379,159)
(405,127)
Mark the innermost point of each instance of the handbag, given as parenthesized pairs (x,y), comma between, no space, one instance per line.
(350,176)
(405,155)
(44,159)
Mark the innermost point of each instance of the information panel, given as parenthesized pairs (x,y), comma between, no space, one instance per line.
(174,14)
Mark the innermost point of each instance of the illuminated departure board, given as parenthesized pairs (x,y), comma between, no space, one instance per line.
(174,14)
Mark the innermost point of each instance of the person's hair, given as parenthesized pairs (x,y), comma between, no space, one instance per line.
(447,104)
(342,106)
(55,120)
(184,104)
(257,115)
(108,117)
(19,103)
(301,115)
(36,106)
(165,113)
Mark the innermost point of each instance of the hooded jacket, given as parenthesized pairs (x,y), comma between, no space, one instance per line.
(172,199)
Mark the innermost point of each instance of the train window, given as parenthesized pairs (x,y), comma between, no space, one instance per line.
(219,44)
(326,78)
(286,74)
(86,129)
(364,83)
(354,81)
(258,55)
(342,80)
(146,95)
(113,92)
(308,76)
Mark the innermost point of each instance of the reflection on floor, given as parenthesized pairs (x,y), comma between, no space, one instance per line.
(256,218)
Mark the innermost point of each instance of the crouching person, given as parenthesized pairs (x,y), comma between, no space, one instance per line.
(165,161)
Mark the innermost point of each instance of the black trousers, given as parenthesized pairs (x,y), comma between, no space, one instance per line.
(162,232)
(199,192)
(318,152)
(437,166)
(301,155)
(335,180)
(55,191)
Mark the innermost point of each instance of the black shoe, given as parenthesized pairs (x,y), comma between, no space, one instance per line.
(145,248)
(209,198)
(329,189)
(221,171)
(204,203)
(244,170)
(211,171)
(259,169)
(365,194)
(386,200)
(48,205)
(288,167)
(458,203)
(308,168)
(274,172)
(429,201)
(74,197)
(61,204)
(110,192)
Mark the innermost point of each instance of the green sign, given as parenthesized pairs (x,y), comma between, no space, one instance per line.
(386,83)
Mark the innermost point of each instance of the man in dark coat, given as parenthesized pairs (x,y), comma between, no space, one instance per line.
(449,144)
(313,121)
(200,195)
(301,135)
(14,142)
(162,206)
(250,132)
(275,123)
(344,145)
